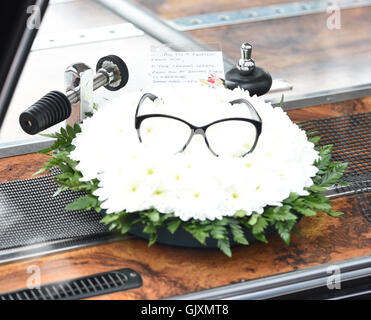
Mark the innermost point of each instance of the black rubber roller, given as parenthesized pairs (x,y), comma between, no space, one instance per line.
(51,109)
(120,68)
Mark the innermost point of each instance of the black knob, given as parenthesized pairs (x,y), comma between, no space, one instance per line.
(247,76)
(51,109)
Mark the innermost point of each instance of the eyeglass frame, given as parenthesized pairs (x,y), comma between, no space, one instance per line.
(202,129)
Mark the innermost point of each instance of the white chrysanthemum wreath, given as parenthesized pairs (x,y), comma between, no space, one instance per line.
(210,197)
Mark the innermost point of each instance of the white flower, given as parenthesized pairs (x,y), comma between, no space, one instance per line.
(193,184)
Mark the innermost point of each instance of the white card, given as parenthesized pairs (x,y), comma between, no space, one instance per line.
(186,67)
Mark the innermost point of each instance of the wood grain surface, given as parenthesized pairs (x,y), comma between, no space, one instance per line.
(21,167)
(169,271)
(301,49)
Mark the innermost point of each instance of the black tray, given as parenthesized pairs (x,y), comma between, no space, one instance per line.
(182,238)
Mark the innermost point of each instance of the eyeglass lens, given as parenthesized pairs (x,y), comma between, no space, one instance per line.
(225,138)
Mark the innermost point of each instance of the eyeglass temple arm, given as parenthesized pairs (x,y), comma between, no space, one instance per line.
(144,97)
(253,112)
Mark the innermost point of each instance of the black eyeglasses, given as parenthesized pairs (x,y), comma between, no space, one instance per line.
(230,136)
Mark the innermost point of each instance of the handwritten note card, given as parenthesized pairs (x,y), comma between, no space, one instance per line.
(185,67)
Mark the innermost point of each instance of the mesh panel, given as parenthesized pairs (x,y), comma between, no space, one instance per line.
(364,200)
(351,137)
(29,214)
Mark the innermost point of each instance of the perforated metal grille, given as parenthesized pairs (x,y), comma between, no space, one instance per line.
(80,288)
(364,200)
(351,137)
(30,215)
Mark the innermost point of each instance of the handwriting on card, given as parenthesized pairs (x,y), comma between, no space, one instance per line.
(186,67)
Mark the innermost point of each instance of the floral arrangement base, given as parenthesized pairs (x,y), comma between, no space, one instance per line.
(182,238)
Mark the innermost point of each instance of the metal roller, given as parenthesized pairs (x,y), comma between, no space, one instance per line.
(54,107)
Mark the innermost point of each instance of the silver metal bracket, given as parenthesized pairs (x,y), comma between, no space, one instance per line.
(78,78)
(284,10)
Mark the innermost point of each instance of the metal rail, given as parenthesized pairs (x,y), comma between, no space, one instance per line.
(286,283)
(325,97)
(279,11)
(42,249)
(156,27)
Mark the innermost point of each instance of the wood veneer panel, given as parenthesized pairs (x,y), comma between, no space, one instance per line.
(21,167)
